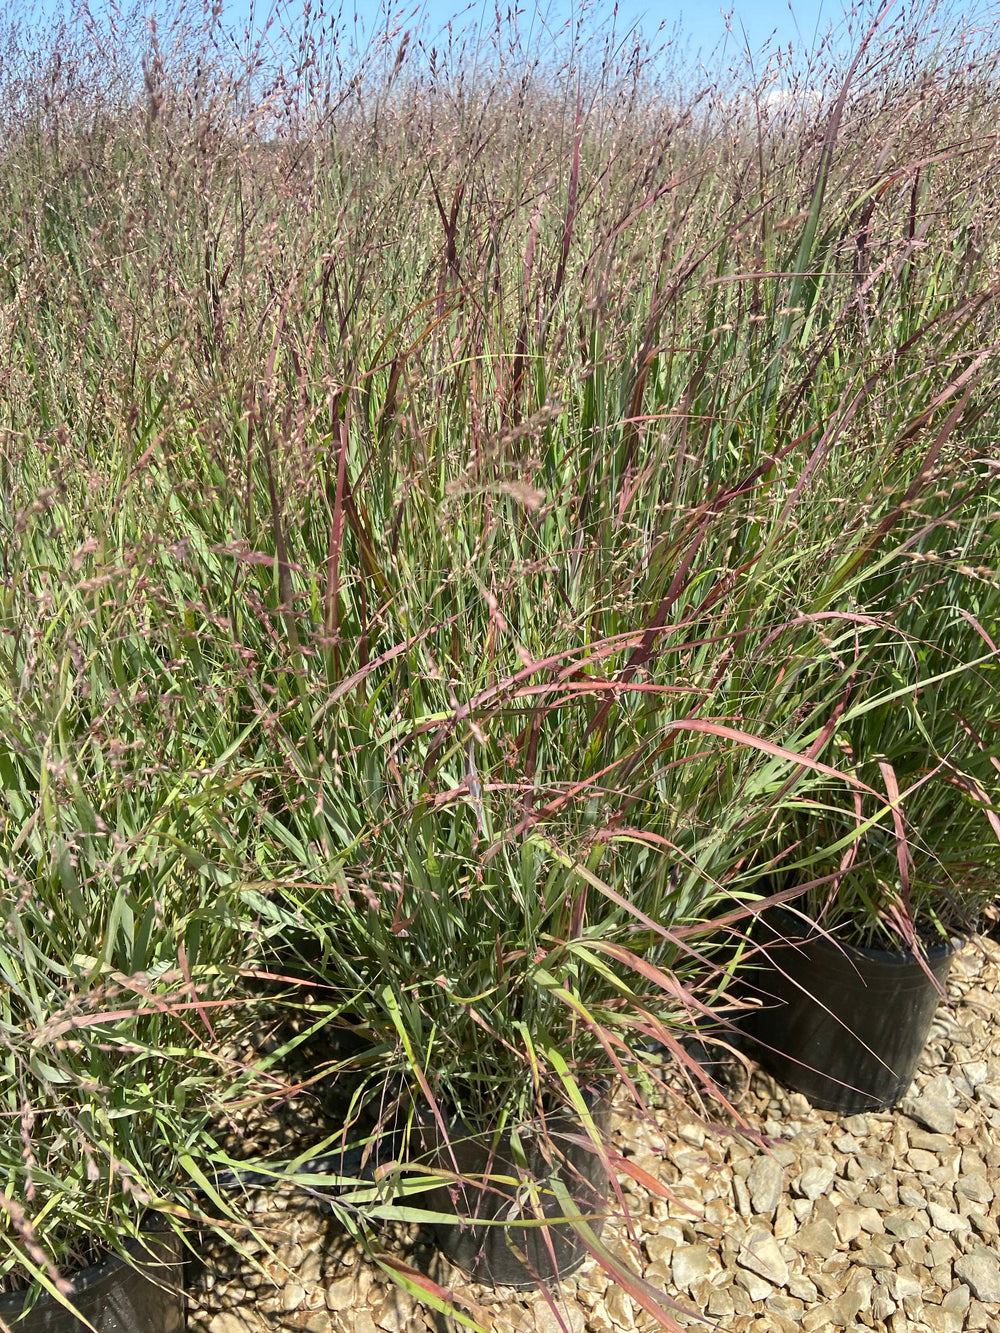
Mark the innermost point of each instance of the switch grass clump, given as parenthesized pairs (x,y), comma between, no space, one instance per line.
(476,514)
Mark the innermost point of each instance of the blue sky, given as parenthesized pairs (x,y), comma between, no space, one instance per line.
(701,30)
(703,24)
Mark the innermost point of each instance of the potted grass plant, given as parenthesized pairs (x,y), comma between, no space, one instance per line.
(899,865)
(500,989)
(499,973)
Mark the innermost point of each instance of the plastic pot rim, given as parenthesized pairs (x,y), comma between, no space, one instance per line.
(800,933)
(85,1279)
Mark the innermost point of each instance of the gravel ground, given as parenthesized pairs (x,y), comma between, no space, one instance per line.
(879,1222)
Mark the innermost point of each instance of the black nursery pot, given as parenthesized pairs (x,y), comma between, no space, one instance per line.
(113,1296)
(492,1255)
(843,1025)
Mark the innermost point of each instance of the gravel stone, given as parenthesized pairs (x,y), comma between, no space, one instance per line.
(941,1251)
(940,1087)
(904,1283)
(362,1322)
(819,1317)
(922,1161)
(661,1247)
(871,1220)
(849,1224)
(742,1196)
(980,1271)
(977,1188)
(946,1220)
(781,1304)
(934,1143)
(228,1321)
(883,1306)
(816,1238)
(865,1166)
(573,1319)
(986,1227)
(785,1224)
(756,1287)
(292,1296)
(802,1288)
(341,1295)
(814,1182)
(761,1254)
(934,1113)
(689,1263)
(846,1307)
(857,1125)
(765,1183)
(720,1303)
(959,1298)
(691,1132)
(873,1257)
(396,1311)
(940,1320)
(912,1197)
